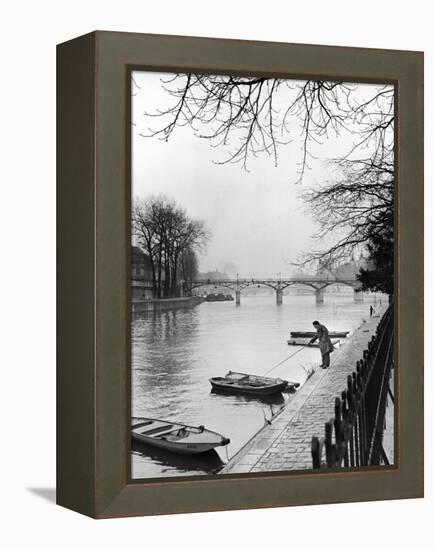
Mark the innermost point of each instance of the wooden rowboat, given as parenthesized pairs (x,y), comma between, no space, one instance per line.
(308,334)
(176,437)
(239,382)
(305,342)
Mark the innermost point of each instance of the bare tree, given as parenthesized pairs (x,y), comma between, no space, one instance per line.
(189,265)
(357,206)
(241,112)
(351,209)
(145,230)
(191,236)
(166,233)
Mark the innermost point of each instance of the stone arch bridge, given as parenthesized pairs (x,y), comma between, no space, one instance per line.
(237,285)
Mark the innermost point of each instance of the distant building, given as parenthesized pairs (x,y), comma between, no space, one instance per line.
(141,275)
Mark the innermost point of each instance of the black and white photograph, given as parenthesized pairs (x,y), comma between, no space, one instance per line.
(214,294)
(262,272)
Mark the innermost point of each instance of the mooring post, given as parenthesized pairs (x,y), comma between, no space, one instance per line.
(358,296)
(238,297)
(279,296)
(319,296)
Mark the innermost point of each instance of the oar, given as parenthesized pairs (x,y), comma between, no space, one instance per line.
(286,359)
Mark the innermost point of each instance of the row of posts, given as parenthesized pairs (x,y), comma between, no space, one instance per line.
(354,436)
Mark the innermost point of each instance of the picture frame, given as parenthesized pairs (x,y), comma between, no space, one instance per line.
(94,197)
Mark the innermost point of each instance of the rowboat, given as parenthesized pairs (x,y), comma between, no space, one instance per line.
(239,382)
(176,437)
(209,462)
(308,334)
(305,342)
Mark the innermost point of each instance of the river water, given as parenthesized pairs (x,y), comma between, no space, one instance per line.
(174,353)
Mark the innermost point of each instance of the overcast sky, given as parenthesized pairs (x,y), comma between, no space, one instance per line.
(256,218)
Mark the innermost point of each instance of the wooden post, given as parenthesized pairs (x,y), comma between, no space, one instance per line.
(346,425)
(329,447)
(351,417)
(339,432)
(356,420)
(316,449)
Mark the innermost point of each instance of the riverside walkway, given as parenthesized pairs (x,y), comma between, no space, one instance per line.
(285,444)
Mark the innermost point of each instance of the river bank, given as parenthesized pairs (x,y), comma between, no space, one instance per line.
(285,443)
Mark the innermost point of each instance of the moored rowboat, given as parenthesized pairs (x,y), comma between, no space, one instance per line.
(239,382)
(176,437)
(305,342)
(308,334)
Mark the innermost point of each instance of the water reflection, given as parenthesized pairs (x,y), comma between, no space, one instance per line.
(277,399)
(166,462)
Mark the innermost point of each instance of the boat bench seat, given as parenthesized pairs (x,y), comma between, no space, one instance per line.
(167,432)
(152,431)
(143,424)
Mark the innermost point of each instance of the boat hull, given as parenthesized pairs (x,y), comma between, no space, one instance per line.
(187,448)
(305,342)
(308,334)
(157,433)
(221,386)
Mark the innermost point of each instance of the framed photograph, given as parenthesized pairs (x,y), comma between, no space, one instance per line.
(240,274)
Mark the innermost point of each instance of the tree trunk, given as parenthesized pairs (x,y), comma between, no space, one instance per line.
(159,274)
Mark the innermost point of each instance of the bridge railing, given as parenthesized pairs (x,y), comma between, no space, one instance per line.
(281,283)
(354,436)
(255,280)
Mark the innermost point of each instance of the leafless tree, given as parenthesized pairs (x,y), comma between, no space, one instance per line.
(351,209)
(189,265)
(241,113)
(245,115)
(357,205)
(166,233)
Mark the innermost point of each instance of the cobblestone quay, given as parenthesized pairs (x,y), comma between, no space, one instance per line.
(285,444)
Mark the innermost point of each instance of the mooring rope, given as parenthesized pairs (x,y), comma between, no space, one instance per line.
(281,362)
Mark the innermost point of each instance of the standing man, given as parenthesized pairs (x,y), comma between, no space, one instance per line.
(325,344)
(371,311)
